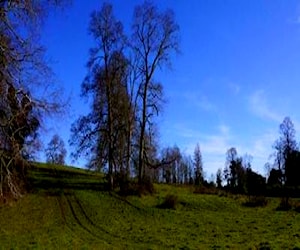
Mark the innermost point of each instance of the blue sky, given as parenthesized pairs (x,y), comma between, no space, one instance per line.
(235,80)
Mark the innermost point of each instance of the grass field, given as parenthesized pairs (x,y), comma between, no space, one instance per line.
(69,209)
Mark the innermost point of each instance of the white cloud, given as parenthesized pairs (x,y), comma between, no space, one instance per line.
(213,146)
(184,132)
(294,20)
(199,101)
(235,88)
(224,129)
(260,147)
(259,106)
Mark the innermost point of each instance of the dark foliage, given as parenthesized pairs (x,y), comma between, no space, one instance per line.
(170,202)
(235,172)
(219,178)
(292,169)
(284,204)
(256,201)
(275,177)
(275,191)
(206,190)
(132,188)
(296,206)
(255,183)
(146,187)
(198,166)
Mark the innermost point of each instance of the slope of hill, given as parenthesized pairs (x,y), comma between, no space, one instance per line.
(68,208)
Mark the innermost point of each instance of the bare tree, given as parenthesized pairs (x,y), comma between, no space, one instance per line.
(18,124)
(172,164)
(285,146)
(56,151)
(102,131)
(154,39)
(24,75)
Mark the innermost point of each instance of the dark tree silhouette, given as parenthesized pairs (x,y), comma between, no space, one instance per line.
(292,169)
(219,178)
(284,147)
(235,171)
(198,166)
(255,183)
(275,178)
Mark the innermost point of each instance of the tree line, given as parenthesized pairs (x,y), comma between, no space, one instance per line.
(175,167)
(283,173)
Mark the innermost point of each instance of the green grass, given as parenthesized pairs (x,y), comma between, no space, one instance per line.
(69,209)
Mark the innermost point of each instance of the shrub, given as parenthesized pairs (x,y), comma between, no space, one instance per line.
(147,186)
(223,194)
(170,202)
(128,187)
(206,190)
(256,201)
(284,204)
(296,206)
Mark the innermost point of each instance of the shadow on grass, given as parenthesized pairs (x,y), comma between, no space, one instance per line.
(122,199)
(56,182)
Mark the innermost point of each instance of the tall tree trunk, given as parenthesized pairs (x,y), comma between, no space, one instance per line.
(142,135)
(110,129)
(128,151)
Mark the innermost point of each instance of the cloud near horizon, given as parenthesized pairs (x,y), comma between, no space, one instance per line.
(260,107)
(215,145)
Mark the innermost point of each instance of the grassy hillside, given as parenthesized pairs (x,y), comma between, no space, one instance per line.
(69,209)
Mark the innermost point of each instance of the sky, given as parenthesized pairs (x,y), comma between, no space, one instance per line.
(233,82)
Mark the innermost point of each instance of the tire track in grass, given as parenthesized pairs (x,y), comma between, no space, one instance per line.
(75,216)
(84,221)
(62,210)
(125,201)
(78,210)
(63,206)
(89,220)
(71,207)
(68,204)
(116,237)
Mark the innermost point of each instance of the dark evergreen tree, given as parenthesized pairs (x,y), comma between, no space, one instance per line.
(255,183)
(198,166)
(235,172)
(219,178)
